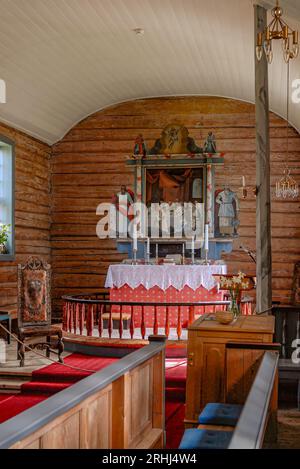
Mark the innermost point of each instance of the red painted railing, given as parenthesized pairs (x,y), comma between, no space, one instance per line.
(90,312)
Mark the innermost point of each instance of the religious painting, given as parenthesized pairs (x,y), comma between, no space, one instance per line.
(175,140)
(173,185)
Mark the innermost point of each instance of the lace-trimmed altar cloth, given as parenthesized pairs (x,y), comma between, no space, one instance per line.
(164,276)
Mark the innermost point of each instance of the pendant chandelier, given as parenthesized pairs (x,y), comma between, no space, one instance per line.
(277,29)
(287,187)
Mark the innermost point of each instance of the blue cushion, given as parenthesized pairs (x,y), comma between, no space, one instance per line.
(220,414)
(194,438)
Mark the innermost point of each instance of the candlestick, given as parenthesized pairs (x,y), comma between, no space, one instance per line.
(206,238)
(193,250)
(134,238)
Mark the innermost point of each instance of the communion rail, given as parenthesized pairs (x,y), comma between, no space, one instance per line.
(94,311)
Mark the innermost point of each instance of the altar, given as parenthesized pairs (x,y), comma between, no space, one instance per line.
(164,284)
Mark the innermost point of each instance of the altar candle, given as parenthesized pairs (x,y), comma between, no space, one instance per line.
(193,244)
(156,251)
(134,238)
(206,244)
(244,181)
(148,245)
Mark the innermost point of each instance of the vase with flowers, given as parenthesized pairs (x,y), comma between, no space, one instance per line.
(234,284)
(4,232)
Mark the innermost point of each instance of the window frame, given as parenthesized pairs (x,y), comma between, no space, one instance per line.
(12,255)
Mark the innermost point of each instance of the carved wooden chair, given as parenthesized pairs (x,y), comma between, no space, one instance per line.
(34,309)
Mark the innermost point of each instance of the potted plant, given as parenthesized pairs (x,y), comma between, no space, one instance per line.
(4,232)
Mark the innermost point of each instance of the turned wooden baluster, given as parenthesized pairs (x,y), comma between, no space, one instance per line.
(143,328)
(81,318)
(65,316)
(100,320)
(110,323)
(131,327)
(76,317)
(71,305)
(167,325)
(155,325)
(90,321)
(179,326)
(121,323)
(192,314)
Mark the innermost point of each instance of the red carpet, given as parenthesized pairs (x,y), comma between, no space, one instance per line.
(55,377)
(175,428)
(175,399)
(50,380)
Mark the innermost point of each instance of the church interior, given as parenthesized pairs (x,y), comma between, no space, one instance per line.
(149,224)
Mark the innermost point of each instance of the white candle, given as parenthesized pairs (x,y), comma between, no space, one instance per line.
(134,238)
(193,244)
(148,245)
(206,242)
(244,181)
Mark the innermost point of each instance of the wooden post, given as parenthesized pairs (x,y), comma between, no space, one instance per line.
(263,200)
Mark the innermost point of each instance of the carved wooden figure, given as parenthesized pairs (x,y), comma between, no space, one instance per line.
(34,309)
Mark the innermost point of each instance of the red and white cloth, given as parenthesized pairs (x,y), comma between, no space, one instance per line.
(164,284)
(164,276)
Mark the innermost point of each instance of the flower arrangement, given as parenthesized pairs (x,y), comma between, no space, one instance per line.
(234,284)
(4,232)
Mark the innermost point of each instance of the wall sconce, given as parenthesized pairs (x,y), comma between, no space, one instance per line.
(245,190)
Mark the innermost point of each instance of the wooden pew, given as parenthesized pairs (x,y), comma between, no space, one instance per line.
(119,407)
(251,380)
(259,412)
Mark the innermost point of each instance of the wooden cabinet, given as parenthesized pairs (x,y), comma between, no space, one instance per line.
(207,356)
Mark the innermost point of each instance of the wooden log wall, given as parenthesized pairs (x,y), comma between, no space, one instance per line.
(32,208)
(88,166)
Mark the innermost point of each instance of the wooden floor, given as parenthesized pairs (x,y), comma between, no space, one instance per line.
(12,376)
(288,429)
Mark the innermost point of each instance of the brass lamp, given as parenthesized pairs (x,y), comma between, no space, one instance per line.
(277,29)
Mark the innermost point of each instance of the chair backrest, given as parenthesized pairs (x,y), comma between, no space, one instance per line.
(34,293)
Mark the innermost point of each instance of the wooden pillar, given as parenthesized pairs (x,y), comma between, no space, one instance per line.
(263,200)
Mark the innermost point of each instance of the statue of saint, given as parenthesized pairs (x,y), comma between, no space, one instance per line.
(210,145)
(140,147)
(228,212)
(128,193)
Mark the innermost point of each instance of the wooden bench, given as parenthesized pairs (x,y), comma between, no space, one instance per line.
(116,320)
(259,407)
(258,417)
(7,315)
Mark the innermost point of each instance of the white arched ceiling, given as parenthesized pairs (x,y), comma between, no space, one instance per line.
(62,60)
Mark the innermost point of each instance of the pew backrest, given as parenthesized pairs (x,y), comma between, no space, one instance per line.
(250,430)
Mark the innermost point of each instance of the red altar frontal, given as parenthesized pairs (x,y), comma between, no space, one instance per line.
(171,295)
(164,284)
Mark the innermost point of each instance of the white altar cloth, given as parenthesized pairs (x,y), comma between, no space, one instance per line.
(164,276)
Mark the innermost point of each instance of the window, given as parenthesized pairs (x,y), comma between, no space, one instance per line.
(7,194)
